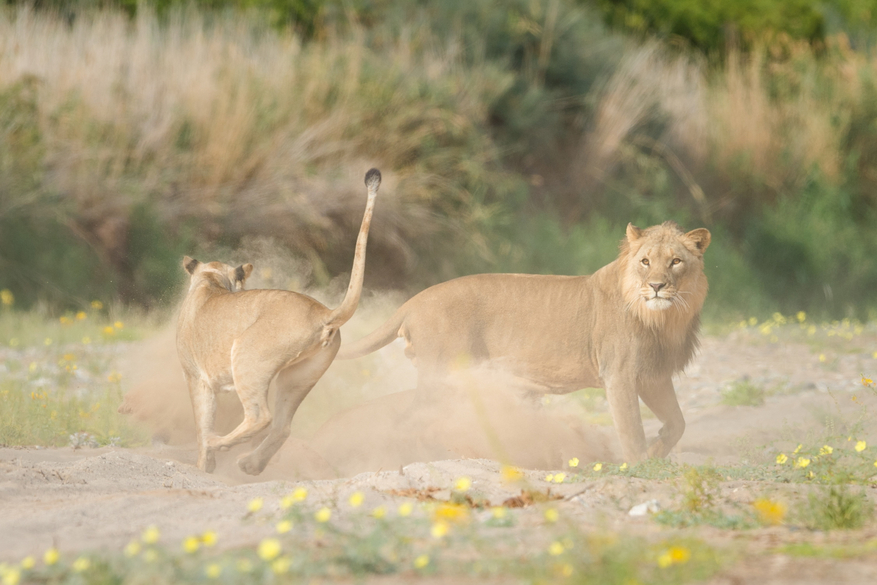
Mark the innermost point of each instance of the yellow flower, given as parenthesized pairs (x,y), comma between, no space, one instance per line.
(801,316)
(781,458)
(81,315)
(452,512)
(798,448)
(753,321)
(283,526)
(770,512)
(802,462)
(826,450)
(51,556)
(47,341)
(405,508)
(623,467)
(566,569)
(97,305)
(81,564)
(254,505)
(108,330)
(65,320)
(673,556)
(559,477)
(356,499)
(421,561)
(867,381)
(323,514)
(510,474)
(269,549)
(551,515)
(28,563)
(549,478)
(132,549)
(499,512)
(6,297)
(208,538)
(10,576)
(151,535)
(299,494)
(463,484)
(191,544)
(379,512)
(440,529)
(213,571)
(598,466)
(822,358)
(281,566)
(861,446)
(555,549)
(574,462)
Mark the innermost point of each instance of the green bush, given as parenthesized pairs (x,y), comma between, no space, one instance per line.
(706,24)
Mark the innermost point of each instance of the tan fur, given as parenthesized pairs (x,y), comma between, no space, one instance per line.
(233,339)
(627,328)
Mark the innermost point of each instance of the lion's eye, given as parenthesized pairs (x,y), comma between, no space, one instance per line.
(645,261)
(677,261)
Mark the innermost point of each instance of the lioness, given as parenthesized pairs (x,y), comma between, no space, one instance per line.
(240,341)
(627,328)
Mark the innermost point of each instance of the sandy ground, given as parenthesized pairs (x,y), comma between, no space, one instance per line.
(88,499)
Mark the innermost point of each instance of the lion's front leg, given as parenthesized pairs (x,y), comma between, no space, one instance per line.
(204,409)
(660,396)
(621,393)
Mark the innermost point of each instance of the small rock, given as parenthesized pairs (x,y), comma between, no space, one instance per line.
(649,507)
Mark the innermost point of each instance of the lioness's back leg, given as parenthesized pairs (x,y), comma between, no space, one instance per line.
(293,385)
(252,374)
(661,399)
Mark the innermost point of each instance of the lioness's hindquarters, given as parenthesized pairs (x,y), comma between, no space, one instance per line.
(234,339)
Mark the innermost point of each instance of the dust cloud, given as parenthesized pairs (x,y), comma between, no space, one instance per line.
(364,414)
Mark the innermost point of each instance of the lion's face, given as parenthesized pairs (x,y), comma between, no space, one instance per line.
(665,268)
(226,276)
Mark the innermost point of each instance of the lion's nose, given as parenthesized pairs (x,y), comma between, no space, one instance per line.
(657,285)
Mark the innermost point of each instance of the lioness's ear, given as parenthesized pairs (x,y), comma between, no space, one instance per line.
(243,272)
(190,264)
(633,232)
(701,238)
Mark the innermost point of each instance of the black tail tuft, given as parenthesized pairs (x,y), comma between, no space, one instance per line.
(373,179)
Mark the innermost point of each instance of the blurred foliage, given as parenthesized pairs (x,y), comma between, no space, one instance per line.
(516,137)
(710,25)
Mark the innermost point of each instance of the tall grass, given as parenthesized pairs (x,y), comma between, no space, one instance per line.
(126,143)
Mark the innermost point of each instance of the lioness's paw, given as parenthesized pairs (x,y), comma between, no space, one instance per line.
(251,465)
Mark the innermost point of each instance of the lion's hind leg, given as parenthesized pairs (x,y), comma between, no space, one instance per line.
(294,383)
(251,376)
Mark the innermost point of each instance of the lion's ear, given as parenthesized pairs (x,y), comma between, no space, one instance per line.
(190,264)
(701,238)
(633,233)
(243,271)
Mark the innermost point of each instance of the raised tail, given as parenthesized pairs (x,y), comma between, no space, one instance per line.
(345,310)
(375,340)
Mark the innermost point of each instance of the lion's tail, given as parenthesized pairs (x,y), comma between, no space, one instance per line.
(345,310)
(375,340)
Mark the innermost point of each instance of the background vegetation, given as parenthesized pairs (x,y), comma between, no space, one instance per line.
(519,136)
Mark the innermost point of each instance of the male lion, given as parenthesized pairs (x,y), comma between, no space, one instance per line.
(627,328)
(240,341)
